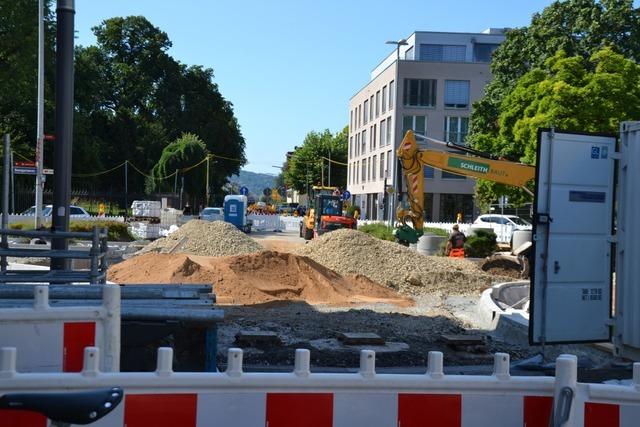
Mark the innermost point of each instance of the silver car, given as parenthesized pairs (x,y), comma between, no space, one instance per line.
(212,214)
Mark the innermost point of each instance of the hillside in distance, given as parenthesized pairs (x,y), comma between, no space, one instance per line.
(254,181)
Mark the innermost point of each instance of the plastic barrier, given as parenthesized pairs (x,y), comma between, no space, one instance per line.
(19,218)
(274,222)
(52,339)
(301,398)
(290,223)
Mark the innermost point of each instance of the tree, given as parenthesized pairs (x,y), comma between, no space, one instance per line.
(577,27)
(182,154)
(568,93)
(305,167)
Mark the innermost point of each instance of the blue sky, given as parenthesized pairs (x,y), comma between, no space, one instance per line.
(290,66)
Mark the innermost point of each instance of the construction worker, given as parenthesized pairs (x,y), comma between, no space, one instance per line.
(455,245)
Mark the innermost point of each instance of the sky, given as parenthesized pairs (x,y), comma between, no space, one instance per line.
(290,66)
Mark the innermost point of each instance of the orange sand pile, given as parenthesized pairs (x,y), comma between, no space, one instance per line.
(256,278)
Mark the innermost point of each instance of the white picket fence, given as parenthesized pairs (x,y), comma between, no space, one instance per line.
(503,234)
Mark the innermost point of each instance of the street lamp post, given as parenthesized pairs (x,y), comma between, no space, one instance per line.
(401,42)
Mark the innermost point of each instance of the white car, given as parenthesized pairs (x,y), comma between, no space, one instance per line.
(212,214)
(503,225)
(75,211)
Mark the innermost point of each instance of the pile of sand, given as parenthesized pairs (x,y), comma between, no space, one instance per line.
(256,278)
(353,252)
(207,238)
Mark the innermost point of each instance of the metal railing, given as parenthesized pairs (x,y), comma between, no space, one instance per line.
(96,274)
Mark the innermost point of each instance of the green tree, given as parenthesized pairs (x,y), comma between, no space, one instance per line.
(577,27)
(183,153)
(568,93)
(305,167)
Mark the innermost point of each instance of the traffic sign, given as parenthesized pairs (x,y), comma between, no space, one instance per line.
(47,171)
(266,192)
(22,170)
(282,191)
(244,191)
(25,164)
(346,195)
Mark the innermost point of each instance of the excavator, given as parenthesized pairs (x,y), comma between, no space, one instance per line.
(325,214)
(471,163)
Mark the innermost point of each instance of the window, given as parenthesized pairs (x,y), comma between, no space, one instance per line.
(76,211)
(364,142)
(443,53)
(364,170)
(358,118)
(357,171)
(456,93)
(428,172)
(482,52)
(384,99)
(456,129)
(377,104)
(373,168)
(369,170)
(382,166)
(357,148)
(389,128)
(383,133)
(366,112)
(408,54)
(418,124)
(392,94)
(389,165)
(452,204)
(419,92)
(371,109)
(351,120)
(374,133)
(351,147)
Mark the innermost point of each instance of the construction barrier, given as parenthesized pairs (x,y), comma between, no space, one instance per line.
(301,398)
(29,219)
(52,339)
(274,222)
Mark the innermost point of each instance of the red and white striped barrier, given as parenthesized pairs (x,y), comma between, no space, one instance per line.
(301,398)
(53,339)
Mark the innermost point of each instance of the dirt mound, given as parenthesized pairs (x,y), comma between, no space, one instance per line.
(207,238)
(353,252)
(256,278)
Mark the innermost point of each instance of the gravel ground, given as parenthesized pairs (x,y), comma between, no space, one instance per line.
(205,238)
(353,252)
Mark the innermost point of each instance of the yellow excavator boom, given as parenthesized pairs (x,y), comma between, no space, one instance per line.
(414,159)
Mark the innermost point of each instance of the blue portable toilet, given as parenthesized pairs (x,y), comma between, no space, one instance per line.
(235,211)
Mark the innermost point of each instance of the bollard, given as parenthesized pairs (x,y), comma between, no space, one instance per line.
(636,375)
(41,298)
(7,362)
(501,366)
(367,363)
(234,362)
(111,303)
(435,365)
(164,366)
(91,362)
(565,390)
(301,367)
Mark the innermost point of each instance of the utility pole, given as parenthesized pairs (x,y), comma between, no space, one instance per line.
(175,183)
(206,200)
(65,12)
(329,166)
(13,184)
(5,198)
(126,188)
(40,124)
(181,191)
(322,171)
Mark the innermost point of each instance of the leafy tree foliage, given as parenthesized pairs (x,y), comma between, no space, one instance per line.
(305,167)
(184,152)
(131,99)
(569,93)
(579,28)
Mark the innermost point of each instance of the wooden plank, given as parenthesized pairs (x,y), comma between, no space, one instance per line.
(360,338)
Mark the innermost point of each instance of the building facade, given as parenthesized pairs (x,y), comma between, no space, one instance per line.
(427,85)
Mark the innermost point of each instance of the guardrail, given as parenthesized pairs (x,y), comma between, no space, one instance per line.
(366,398)
(52,339)
(97,273)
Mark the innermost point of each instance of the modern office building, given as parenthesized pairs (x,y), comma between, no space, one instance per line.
(428,85)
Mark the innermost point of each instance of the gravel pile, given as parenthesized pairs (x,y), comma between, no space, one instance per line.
(353,252)
(206,238)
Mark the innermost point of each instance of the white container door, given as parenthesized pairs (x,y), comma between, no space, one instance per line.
(571,272)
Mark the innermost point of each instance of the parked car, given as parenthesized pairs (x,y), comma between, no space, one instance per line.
(212,214)
(75,211)
(503,225)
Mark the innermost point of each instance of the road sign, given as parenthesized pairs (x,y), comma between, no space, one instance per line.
(283,191)
(47,171)
(346,195)
(266,192)
(244,191)
(25,164)
(22,170)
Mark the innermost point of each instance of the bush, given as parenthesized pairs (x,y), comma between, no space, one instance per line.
(118,231)
(436,231)
(379,231)
(480,245)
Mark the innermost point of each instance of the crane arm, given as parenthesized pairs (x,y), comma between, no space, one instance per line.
(414,159)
